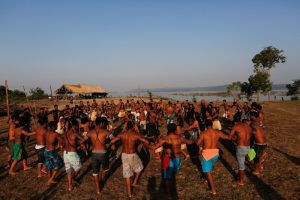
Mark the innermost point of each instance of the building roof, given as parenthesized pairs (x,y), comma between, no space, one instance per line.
(79,89)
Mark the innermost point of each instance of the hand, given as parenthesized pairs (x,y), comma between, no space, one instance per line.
(113,147)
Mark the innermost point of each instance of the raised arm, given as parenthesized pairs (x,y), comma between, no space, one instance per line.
(28,134)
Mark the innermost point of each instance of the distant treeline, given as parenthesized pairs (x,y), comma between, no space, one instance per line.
(14,95)
(221,88)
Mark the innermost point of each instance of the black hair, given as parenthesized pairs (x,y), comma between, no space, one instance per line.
(131,117)
(171,128)
(208,123)
(104,122)
(254,114)
(52,126)
(98,121)
(42,121)
(84,119)
(129,125)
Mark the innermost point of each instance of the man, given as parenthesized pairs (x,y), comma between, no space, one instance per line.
(19,150)
(243,132)
(260,142)
(170,113)
(99,151)
(210,152)
(131,162)
(52,158)
(172,151)
(71,158)
(40,146)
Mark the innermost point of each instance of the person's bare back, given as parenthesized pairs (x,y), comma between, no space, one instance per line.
(98,137)
(51,138)
(258,133)
(40,135)
(129,139)
(244,132)
(210,138)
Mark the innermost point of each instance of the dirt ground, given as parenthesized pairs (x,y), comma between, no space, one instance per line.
(280,179)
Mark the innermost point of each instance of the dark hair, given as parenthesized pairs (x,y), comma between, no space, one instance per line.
(171,128)
(104,122)
(129,125)
(84,119)
(254,114)
(41,121)
(52,126)
(98,121)
(208,123)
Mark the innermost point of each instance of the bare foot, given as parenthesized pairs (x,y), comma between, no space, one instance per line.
(12,173)
(213,193)
(50,182)
(41,175)
(27,168)
(44,171)
(71,189)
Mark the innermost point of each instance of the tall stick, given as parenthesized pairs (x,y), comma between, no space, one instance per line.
(7,103)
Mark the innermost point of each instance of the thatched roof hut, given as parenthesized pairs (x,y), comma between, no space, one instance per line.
(82,90)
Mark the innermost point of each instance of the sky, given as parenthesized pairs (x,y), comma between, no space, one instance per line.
(128,44)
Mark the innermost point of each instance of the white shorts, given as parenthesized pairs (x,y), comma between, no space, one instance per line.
(131,163)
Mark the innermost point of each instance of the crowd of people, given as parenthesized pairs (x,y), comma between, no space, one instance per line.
(97,130)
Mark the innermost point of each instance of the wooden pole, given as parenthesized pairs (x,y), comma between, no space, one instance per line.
(7,103)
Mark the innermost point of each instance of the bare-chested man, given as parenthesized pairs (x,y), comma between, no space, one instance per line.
(172,152)
(71,158)
(260,142)
(243,133)
(40,146)
(19,150)
(53,160)
(210,151)
(131,161)
(99,151)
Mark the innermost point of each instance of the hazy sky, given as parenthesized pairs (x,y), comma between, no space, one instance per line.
(121,45)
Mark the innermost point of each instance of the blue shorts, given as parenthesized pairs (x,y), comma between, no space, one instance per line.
(173,168)
(208,164)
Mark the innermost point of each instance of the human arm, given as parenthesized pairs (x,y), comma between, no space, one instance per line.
(28,134)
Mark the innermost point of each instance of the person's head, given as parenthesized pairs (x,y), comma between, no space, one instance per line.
(254,114)
(84,119)
(42,122)
(55,106)
(104,122)
(129,125)
(171,128)
(52,126)
(208,123)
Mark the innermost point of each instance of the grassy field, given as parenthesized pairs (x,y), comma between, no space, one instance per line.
(280,179)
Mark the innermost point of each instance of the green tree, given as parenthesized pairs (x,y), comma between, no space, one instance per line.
(247,89)
(150,94)
(267,59)
(293,89)
(260,82)
(37,93)
(234,90)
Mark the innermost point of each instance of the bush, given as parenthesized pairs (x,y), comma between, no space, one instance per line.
(295,98)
